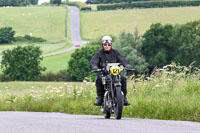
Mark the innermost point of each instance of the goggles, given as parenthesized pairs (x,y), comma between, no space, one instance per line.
(107,44)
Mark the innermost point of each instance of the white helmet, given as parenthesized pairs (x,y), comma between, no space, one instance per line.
(106,39)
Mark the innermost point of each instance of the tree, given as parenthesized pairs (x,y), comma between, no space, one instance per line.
(156,47)
(79,64)
(6,35)
(187,40)
(128,45)
(22,63)
(55,2)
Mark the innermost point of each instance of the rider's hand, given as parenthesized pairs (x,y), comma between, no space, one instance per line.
(128,67)
(94,68)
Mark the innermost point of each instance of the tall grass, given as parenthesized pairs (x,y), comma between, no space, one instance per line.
(171,93)
(99,23)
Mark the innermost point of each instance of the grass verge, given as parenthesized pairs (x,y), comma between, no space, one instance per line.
(165,95)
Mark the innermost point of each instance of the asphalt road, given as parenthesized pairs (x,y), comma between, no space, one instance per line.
(37,122)
(75,32)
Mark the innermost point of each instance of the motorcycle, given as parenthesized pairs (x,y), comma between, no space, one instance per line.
(113,101)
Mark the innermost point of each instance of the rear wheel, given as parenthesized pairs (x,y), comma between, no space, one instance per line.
(118,103)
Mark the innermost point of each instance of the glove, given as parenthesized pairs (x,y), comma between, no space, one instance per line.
(128,67)
(94,68)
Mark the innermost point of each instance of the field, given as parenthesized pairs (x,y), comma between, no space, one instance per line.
(56,63)
(165,95)
(45,22)
(98,23)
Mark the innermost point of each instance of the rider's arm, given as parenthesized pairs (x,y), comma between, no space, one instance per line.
(94,62)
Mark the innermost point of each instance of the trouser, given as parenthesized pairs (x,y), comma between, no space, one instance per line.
(100,88)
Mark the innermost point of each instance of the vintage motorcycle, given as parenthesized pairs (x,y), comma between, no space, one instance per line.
(113,101)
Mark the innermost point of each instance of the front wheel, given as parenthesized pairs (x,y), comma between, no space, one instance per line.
(118,103)
(107,112)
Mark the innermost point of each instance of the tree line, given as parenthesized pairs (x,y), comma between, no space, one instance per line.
(157,47)
(18,2)
(110,1)
(148,4)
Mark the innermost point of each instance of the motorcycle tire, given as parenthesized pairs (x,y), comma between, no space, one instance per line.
(118,103)
(107,112)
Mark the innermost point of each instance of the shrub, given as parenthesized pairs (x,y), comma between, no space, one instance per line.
(28,38)
(60,76)
(22,63)
(6,35)
(55,2)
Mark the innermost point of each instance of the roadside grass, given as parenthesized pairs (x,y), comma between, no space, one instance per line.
(99,23)
(56,63)
(45,22)
(168,95)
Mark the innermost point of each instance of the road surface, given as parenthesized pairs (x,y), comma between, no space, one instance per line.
(37,122)
(75,32)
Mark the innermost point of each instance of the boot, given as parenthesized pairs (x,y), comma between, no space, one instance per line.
(126,102)
(99,100)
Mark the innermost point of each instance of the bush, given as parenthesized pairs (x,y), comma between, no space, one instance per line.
(79,64)
(55,2)
(148,4)
(60,76)
(17,2)
(6,35)
(28,38)
(22,63)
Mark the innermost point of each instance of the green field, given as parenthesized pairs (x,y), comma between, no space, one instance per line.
(45,22)
(56,63)
(99,23)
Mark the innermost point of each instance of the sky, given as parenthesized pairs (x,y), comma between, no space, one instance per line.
(41,1)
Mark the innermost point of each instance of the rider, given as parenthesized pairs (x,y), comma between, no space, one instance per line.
(108,55)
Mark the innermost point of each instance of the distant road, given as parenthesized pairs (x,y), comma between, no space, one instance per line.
(38,122)
(75,31)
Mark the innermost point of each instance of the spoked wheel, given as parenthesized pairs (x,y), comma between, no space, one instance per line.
(118,103)
(107,112)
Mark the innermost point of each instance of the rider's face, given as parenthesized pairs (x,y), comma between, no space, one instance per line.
(107,46)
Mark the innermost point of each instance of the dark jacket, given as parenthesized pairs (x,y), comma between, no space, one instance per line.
(101,58)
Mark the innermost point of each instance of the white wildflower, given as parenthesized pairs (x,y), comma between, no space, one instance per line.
(157,85)
(169,79)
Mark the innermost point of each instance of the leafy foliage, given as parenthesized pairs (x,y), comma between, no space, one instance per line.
(28,38)
(79,64)
(60,76)
(22,63)
(128,45)
(55,2)
(6,35)
(187,40)
(156,47)
(163,44)
(18,2)
(147,4)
